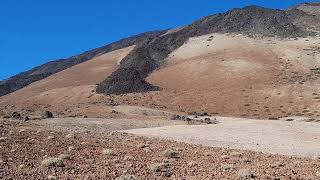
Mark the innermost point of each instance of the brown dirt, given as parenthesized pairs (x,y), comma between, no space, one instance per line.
(26,147)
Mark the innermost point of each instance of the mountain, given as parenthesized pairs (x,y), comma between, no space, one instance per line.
(249,62)
(251,21)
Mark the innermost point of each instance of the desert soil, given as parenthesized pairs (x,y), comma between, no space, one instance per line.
(26,145)
(294,138)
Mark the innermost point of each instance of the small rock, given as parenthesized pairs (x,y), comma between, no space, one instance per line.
(192,164)
(143,146)
(21,166)
(117,161)
(65,156)
(245,174)
(3,139)
(317,157)
(166,174)
(147,150)
(50,137)
(46,115)
(52,177)
(54,162)
(26,118)
(108,152)
(127,177)
(169,153)
(15,115)
(236,154)
(277,164)
(70,148)
(128,158)
(226,167)
(70,136)
(225,157)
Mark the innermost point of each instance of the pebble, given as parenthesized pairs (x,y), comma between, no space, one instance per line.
(192,164)
(70,148)
(52,177)
(226,167)
(128,158)
(50,137)
(69,136)
(65,156)
(3,139)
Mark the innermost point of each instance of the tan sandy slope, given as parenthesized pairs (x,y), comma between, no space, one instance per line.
(73,88)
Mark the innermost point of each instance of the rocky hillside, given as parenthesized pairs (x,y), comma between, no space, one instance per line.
(152,48)
(252,21)
(310,8)
(38,73)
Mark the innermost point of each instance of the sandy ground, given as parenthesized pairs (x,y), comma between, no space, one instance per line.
(24,146)
(99,126)
(292,138)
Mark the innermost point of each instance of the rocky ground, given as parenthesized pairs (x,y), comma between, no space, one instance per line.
(30,153)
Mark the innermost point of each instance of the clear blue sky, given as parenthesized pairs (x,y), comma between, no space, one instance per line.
(33,32)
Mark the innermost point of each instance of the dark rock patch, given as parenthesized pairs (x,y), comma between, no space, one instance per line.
(47,115)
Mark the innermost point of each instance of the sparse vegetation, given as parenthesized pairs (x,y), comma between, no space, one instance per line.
(55,162)
(169,153)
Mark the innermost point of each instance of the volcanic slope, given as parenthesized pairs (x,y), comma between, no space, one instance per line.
(38,73)
(69,91)
(269,71)
(235,75)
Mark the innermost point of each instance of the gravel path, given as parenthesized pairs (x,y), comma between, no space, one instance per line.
(275,137)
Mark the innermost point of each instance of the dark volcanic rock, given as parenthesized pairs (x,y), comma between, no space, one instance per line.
(23,79)
(151,55)
(15,115)
(47,115)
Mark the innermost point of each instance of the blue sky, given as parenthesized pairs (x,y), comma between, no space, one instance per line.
(33,32)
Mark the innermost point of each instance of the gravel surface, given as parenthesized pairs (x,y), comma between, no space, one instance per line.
(28,153)
(276,137)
